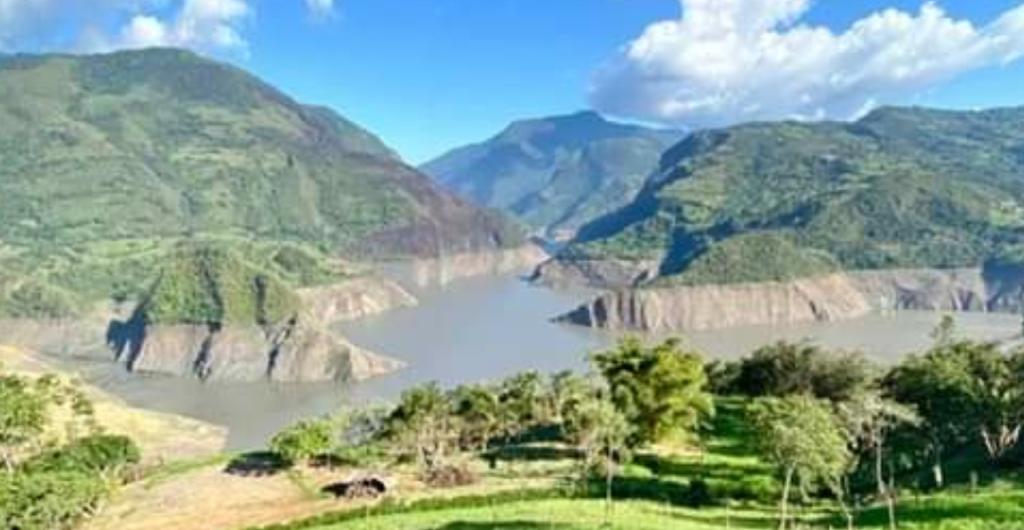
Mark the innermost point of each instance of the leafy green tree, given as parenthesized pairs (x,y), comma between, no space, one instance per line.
(304,440)
(600,432)
(784,369)
(660,390)
(802,437)
(963,391)
(522,398)
(564,389)
(422,425)
(869,417)
(477,409)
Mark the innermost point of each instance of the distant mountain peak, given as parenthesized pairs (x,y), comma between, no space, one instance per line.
(555,172)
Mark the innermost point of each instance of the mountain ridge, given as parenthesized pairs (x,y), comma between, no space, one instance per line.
(554,173)
(900,188)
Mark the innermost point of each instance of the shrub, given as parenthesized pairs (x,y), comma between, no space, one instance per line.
(47,501)
(91,455)
(304,441)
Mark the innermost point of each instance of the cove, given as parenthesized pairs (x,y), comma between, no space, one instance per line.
(483,329)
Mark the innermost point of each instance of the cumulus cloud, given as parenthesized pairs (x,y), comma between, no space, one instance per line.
(320,9)
(729,61)
(199,24)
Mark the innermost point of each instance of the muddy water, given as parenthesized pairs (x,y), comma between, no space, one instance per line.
(484,329)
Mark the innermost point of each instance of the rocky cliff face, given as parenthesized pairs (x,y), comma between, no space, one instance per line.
(299,349)
(441,271)
(834,297)
(295,352)
(354,299)
(603,273)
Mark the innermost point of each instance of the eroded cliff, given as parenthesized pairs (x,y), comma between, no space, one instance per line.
(828,298)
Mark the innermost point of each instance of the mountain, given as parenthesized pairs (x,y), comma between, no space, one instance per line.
(902,188)
(110,161)
(555,173)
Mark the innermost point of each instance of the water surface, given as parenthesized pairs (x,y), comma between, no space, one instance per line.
(484,329)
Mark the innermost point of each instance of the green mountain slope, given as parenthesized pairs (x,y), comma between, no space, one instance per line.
(108,161)
(903,187)
(555,173)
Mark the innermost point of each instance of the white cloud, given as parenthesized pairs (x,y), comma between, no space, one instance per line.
(729,61)
(320,9)
(199,24)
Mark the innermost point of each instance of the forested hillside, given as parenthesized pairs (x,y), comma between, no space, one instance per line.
(901,188)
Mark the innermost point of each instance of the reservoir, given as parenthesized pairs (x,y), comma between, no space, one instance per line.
(483,329)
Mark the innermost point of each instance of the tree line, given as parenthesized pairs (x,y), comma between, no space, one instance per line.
(835,425)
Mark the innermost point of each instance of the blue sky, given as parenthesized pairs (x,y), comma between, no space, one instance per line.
(429,75)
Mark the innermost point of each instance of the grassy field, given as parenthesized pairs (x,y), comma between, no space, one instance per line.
(723,486)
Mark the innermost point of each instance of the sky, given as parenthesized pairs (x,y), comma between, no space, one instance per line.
(430,75)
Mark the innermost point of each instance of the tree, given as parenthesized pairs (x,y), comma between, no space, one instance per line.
(422,425)
(784,369)
(804,440)
(564,389)
(304,440)
(600,432)
(477,410)
(660,390)
(963,390)
(868,418)
(521,397)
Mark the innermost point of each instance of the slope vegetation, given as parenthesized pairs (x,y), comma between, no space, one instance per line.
(901,188)
(555,173)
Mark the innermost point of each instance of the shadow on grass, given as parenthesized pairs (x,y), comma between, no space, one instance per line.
(989,509)
(256,464)
(532,453)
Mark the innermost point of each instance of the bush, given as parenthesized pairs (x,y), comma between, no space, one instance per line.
(91,455)
(304,441)
(699,494)
(786,369)
(47,501)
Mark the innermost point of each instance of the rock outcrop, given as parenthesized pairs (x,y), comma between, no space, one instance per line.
(441,271)
(354,299)
(603,273)
(301,348)
(834,297)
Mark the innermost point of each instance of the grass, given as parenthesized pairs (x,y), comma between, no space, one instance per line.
(656,491)
(177,468)
(565,514)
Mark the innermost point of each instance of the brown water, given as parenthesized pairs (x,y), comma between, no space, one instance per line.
(485,329)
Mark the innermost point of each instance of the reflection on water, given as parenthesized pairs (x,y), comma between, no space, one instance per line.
(484,329)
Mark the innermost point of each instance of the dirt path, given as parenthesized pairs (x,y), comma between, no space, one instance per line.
(208,499)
